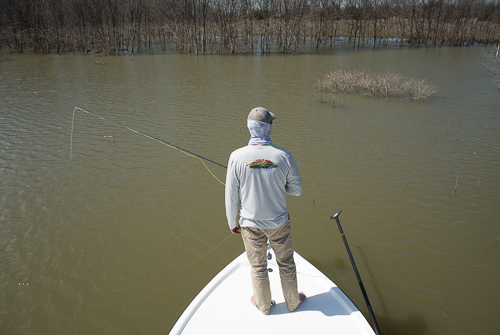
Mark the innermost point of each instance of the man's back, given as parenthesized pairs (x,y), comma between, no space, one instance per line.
(262,174)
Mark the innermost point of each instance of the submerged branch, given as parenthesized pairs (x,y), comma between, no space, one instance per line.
(491,62)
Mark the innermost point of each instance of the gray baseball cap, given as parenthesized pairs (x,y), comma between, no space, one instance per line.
(261,114)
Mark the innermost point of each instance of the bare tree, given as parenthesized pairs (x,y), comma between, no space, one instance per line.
(236,26)
(491,61)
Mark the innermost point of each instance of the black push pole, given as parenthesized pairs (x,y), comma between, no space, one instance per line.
(375,325)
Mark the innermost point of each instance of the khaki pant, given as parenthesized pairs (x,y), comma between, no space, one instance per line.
(255,240)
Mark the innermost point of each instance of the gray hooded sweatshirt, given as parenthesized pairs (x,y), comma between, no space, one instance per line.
(258,178)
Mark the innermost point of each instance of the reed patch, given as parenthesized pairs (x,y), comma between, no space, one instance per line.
(338,82)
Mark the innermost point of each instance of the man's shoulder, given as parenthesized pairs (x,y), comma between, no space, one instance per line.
(270,147)
(239,150)
(285,151)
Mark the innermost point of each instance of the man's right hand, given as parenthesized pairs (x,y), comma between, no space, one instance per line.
(236,230)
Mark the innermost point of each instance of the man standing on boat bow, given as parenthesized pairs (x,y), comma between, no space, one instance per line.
(258,178)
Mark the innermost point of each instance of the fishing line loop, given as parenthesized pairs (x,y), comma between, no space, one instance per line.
(170,145)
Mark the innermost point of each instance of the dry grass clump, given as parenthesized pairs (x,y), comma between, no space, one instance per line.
(387,84)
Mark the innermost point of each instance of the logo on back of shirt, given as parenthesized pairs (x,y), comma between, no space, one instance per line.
(262,164)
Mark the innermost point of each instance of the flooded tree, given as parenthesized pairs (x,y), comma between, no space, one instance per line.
(491,61)
(241,26)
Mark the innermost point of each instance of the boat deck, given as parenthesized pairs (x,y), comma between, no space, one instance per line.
(223,306)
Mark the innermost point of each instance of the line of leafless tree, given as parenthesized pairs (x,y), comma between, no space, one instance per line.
(242,26)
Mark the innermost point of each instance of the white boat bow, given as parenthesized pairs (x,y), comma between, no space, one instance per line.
(223,306)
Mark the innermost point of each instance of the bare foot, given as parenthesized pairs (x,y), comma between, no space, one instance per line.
(302,298)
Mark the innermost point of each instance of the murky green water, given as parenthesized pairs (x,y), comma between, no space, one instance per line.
(121,238)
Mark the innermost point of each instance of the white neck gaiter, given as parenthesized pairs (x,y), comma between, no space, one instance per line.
(259,131)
